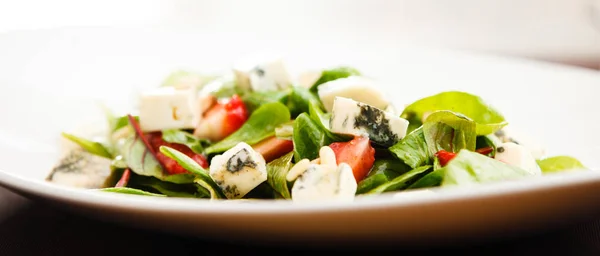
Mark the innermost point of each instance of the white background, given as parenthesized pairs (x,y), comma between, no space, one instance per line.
(561,30)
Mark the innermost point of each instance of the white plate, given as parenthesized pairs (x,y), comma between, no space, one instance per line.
(52,79)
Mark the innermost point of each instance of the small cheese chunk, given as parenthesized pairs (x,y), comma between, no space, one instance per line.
(356,118)
(168,108)
(325,182)
(238,170)
(308,78)
(519,156)
(80,169)
(507,134)
(357,88)
(263,74)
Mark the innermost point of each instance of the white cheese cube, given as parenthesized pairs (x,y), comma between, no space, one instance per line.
(358,88)
(356,118)
(238,170)
(168,108)
(519,156)
(307,78)
(325,182)
(508,134)
(262,74)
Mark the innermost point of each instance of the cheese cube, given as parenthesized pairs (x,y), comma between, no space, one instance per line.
(508,134)
(168,108)
(325,182)
(308,78)
(262,74)
(238,170)
(358,88)
(519,156)
(356,118)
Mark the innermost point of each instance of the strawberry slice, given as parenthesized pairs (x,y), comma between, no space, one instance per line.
(272,148)
(222,119)
(358,153)
(171,166)
(444,157)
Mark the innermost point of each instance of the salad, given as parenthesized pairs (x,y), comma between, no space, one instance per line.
(258,133)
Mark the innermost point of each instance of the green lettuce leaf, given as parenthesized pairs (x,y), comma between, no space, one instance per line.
(432,179)
(383,170)
(412,149)
(260,125)
(151,184)
(403,181)
(141,158)
(445,130)
(255,99)
(333,74)
(488,119)
(277,171)
(559,164)
(469,167)
(311,132)
(92,147)
(185,138)
(131,191)
(203,178)
(300,100)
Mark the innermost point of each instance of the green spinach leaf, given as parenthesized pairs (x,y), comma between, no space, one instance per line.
(191,190)
(488,119)
(141,158)
(300,100)
(93,147)
(432,179)
(185,138)
(132,191)
(203,178)
(412,149)
(285,130)
(445,130)
(403,181)
(469,167)
(383,170)
(277,171)
(260,125)
(559,164)
(255,99)
(333,74)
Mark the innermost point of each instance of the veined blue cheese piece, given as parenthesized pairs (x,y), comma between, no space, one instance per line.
(357,88)
(265,73)
(357,118)
(168,108)
(325,182)
(519,156)
(78,168)
(238,170)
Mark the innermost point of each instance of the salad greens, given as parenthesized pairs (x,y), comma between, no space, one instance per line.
(272,139)
(93,147)
(277,171)
(333,74)
(487,118)
(469,168)
(260,125)
(559,163)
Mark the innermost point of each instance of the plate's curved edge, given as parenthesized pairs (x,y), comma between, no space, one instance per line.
(230,207)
